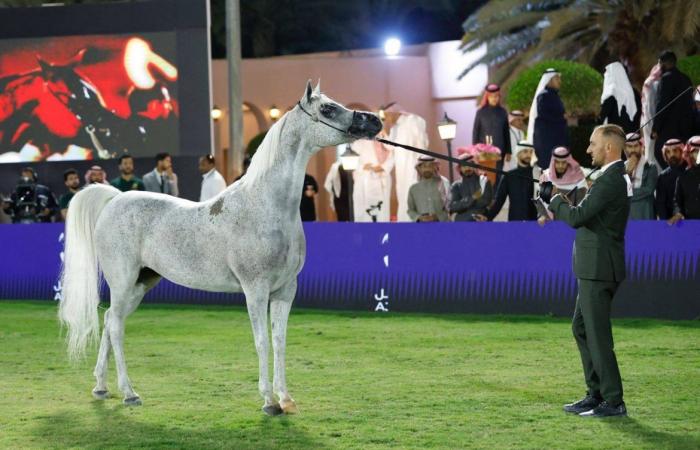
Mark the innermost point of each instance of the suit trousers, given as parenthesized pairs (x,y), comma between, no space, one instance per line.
(593,333)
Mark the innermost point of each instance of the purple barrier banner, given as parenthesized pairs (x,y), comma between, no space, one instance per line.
(508,268)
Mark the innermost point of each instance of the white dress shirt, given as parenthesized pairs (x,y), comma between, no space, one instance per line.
(212,184)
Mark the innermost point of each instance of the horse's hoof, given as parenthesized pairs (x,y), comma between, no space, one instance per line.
(101,395)
(289,407)
(272,410)
(133,401)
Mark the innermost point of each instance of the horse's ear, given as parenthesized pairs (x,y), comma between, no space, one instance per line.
(309,93)
(77,59)
(317,89)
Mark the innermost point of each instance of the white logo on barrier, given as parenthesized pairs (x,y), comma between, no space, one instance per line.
(58,289)
(382,302)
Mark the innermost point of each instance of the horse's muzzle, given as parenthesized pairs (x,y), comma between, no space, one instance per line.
(365,125)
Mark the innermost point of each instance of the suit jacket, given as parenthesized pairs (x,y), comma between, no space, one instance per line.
(152,183)
(676,121)
(600,221)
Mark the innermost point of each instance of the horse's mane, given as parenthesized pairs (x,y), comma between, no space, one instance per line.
(266,154)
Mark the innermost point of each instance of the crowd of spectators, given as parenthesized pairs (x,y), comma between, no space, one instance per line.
(664,180)
(661,160)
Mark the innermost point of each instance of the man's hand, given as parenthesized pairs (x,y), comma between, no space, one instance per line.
(427,218)
(542,220)
(477,195)
(377,169)
(507,157)
(654,135)
(309,192)
(480,218)
(675,219)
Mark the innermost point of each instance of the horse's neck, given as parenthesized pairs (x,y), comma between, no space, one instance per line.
(284,180)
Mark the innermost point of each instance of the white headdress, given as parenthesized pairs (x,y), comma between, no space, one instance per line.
(544,81)
(617,84)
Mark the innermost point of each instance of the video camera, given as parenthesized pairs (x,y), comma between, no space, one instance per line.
(28,203)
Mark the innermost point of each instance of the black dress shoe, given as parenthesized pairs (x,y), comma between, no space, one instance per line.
(605,409)
(583,405)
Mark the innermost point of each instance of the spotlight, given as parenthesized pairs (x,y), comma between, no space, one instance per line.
(216,113)
(392,47)
(274,112)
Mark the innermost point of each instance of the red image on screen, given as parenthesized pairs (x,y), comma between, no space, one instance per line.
(88,97)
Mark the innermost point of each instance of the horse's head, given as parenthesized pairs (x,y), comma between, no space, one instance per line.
(332,123)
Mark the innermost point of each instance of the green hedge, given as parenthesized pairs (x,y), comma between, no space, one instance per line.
(581,87)
(690,65)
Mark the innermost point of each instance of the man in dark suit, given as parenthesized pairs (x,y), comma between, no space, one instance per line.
(599,265)
(677,120)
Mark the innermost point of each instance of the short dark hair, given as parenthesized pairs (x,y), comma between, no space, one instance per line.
(29,169)
(161,156)
(69,172)
(124,156)
(209,158)
(667,56)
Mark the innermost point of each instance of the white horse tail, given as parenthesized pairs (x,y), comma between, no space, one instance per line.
(80,277)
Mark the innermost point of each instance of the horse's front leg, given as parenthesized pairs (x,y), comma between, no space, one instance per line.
(257,298)
(280,304)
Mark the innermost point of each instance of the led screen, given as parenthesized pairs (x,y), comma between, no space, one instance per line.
(88,97)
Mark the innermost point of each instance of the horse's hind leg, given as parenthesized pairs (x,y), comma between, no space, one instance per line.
(257,298)
(280,304)
(124,302)
(100,391)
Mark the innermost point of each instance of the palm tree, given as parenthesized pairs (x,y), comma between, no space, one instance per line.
(520,32)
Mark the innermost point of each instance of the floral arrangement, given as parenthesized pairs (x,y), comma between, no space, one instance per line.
(486,152)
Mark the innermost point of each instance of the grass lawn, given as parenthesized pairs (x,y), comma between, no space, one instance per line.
(360,380)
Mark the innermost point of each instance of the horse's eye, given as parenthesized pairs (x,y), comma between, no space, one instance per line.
(328,110)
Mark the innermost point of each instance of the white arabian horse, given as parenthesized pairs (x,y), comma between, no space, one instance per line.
(247,239)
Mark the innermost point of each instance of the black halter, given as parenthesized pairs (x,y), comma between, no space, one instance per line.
(316,119)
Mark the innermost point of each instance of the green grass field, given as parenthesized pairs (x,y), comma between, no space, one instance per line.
(360,380)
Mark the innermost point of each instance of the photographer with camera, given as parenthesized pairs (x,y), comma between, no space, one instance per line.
(32,202)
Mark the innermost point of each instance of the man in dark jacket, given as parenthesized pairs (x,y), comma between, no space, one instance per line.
(677,120)
(471,195)
(547,127)
(666,184)
(491,122)
(686,199)
(516,185)
(600,221)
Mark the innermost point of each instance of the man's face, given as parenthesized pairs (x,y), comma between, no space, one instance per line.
(204,166)
(427,169)
(28,174)
(493,98)
(97,176)
(560,166)
(597,149)
(165,164)
(633,150)
(73,181)
(467,171)
(126,167)
(673,156)
(525,157)
(694,154)
(518,122)
(555,82)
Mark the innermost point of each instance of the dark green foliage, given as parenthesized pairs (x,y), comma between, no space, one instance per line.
(580,91)
(690,65)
